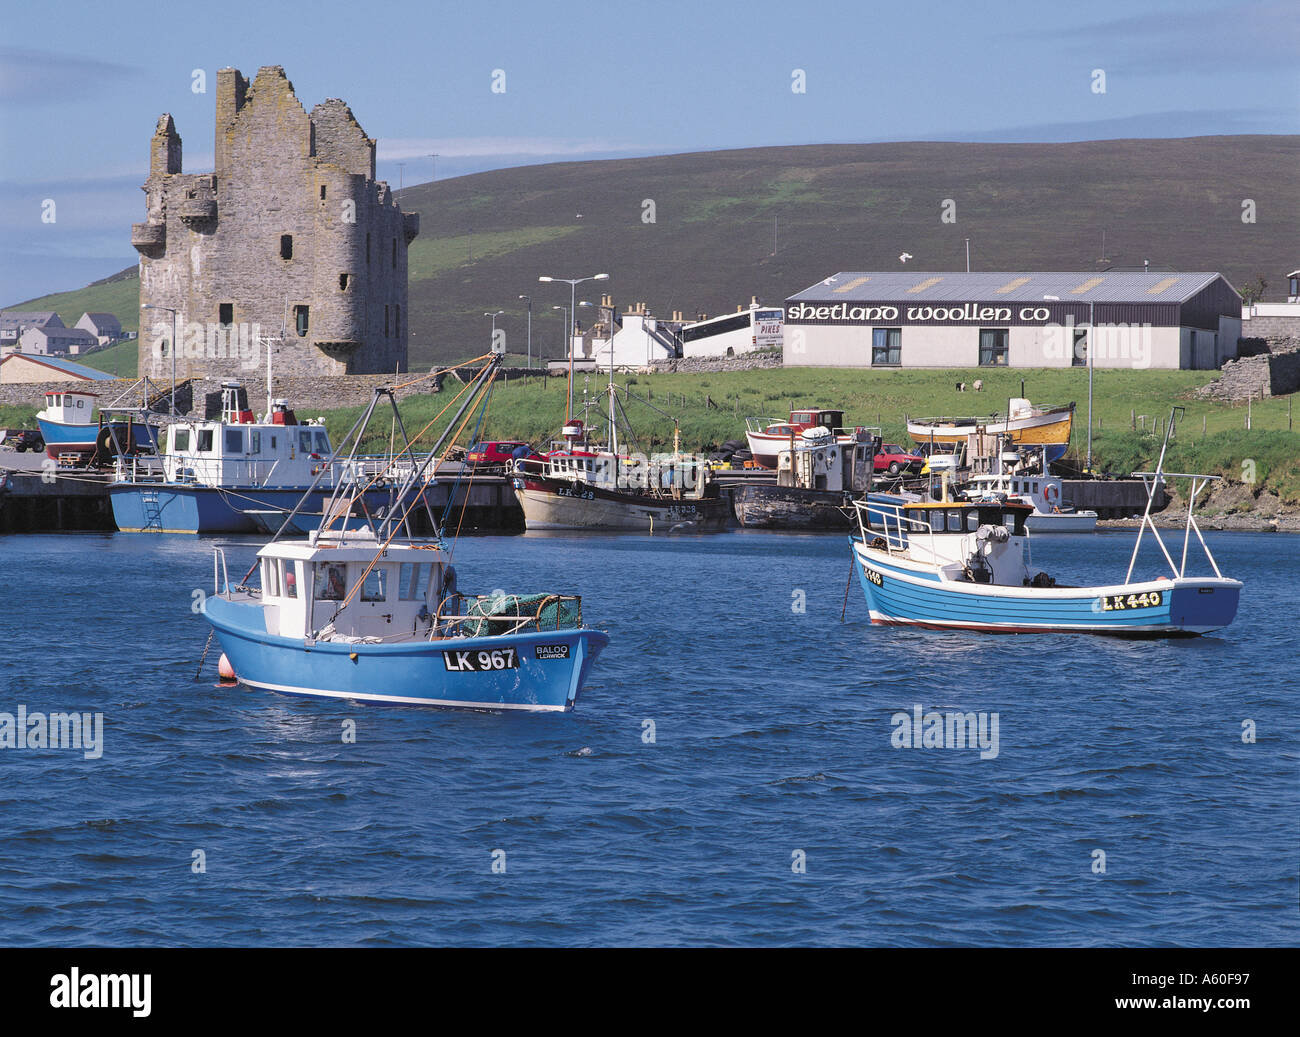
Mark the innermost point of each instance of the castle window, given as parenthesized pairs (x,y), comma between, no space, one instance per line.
(301,317)
(322,192)
(286,246)
(394,253)
(343,282)
(385,319)
(226,314)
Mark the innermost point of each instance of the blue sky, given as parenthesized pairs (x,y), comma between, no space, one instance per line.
(82,85)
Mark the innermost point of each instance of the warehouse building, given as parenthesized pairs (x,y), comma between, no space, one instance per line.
(1032,319)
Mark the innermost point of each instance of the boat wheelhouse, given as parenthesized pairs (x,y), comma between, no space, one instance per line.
(1030,480)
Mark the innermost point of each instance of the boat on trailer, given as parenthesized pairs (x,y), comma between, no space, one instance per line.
(966,565)
(1023,425)
(375,615)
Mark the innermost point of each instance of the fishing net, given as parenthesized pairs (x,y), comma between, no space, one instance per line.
(516,613)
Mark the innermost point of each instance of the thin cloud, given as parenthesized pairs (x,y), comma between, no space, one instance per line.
(43,77)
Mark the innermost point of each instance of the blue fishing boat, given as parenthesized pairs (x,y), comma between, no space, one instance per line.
(374,615)
(966,565)
(72,427)
(217,476)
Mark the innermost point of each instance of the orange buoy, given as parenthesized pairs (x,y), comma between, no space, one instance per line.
(224,669)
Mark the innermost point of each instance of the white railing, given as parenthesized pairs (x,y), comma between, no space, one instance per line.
(215,471)
(895,536)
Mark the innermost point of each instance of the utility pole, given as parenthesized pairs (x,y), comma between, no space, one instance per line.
(529,300)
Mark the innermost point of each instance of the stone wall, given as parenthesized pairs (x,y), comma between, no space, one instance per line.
(744,362)
(1254,377)
(1271,327)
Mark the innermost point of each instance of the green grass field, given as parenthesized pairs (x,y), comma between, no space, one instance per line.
(712,408)
(118,295)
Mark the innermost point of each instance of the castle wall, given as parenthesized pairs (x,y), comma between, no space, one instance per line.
(291,231)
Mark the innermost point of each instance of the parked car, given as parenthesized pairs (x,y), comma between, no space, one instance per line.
(495,454)
(21,439)
(893,459)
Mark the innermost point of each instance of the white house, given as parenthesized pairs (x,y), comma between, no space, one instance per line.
(106,328)
(47,340)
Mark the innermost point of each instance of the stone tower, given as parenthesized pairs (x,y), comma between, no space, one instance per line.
(290,231)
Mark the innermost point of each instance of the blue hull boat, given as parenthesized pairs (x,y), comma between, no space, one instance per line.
(964,564)
(897,593)
(374,614)
(142,507)
(538,670)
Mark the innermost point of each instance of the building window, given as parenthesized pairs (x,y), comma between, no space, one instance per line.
(993,347)
(322,192)
(886,347)
(286,246)
(226,314)
(301,317)
(343,282)
(1079,354)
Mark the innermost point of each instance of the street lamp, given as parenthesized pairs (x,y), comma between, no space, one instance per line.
(529,300)
(152,306)
(494,317)
(573,283)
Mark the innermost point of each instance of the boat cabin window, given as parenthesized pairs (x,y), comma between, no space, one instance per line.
(271,577)
(290,580)
(234,441)
(413,580)
(80,404)
(254,442)
(322,442)
(304,440)
(331,581)
(180,439)
(375,587)
(205,441)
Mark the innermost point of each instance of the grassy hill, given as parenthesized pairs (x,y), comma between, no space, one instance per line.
(118,295)
(485,238)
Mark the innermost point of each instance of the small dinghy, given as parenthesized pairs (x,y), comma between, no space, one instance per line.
(374,615)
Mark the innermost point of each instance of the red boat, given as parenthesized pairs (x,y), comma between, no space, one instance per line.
(767,437)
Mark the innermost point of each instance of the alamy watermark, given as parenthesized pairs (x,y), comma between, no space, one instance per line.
(951,730)
(210,341)
(24,730)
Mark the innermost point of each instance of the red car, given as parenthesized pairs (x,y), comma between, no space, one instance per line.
(496,454)
(893,459)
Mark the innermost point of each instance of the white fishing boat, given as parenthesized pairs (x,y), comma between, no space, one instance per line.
(1030,480)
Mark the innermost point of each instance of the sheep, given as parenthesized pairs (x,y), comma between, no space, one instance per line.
(961,386)
(979,385)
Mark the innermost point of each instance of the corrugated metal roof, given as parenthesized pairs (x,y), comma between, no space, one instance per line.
(1013,286)
(67,366)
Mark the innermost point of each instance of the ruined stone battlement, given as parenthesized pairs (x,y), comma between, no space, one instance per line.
(290,231)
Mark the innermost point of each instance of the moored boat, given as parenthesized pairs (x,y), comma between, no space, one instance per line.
(216,476)
(375,615)
(581,486)
(966,565)
(817,477)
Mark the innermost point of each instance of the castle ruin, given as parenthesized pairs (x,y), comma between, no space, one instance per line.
(290,237)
